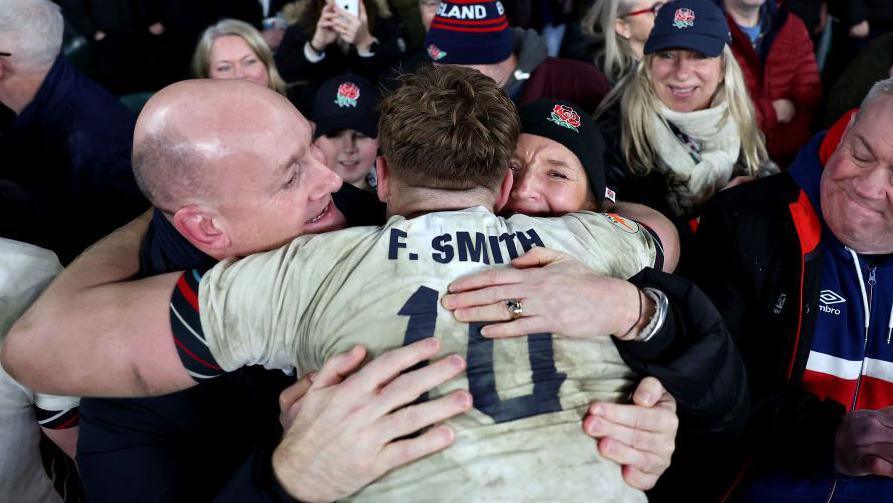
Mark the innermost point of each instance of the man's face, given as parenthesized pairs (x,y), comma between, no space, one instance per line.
(857,184)
(278,188)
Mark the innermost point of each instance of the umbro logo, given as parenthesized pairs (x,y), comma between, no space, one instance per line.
(829,298)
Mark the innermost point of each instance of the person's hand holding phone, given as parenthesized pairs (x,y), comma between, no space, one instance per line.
(351,28)
(325,32)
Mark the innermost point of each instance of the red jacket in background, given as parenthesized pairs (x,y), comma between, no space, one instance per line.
(785,68)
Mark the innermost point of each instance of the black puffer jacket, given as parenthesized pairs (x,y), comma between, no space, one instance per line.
(694,358)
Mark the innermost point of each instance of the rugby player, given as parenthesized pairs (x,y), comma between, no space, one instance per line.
(357,283)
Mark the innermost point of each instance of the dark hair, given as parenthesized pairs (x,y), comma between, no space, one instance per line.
(448,127)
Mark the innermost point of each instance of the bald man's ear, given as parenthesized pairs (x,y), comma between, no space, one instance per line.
(383,178)
(505,190)
(199,227)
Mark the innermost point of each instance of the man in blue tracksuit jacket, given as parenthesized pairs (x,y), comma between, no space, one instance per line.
(800,266)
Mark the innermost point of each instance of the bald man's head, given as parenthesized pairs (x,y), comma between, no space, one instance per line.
(232,165)
(188,131)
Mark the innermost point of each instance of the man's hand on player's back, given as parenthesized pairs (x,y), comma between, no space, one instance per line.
(349,428)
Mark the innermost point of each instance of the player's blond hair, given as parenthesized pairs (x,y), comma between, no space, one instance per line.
(448,127)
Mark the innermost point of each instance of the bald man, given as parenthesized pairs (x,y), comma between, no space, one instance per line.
(227,177)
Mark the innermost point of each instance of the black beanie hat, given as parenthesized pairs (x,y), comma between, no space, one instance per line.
(570,126)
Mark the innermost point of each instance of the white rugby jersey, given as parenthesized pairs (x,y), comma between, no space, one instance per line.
(381,287)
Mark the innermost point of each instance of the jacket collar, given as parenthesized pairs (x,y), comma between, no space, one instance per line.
(164,249)
(57,84)
(806,170)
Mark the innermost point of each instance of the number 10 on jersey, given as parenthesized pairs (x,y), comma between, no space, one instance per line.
(421,308)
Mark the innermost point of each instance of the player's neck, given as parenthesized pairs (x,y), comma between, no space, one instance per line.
(411,202)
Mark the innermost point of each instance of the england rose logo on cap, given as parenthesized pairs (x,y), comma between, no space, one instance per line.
(347,96)
(684,18)
(435,52)
(565,116)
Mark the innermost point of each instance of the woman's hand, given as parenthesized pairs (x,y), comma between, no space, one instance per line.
(738,180)
(557,293)
(325,32)
(640,436)
(352,29)
(784,110)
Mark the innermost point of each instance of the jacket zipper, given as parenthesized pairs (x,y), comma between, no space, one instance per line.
(872,280)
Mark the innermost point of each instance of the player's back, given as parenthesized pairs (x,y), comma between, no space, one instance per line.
(381,288)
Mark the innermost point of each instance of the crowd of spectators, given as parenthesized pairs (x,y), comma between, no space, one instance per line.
(737,149)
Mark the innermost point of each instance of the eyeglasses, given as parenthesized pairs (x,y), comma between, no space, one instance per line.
(653,9)
(5,54)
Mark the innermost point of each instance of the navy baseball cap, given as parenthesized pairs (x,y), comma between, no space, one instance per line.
(696,25)
(347,101)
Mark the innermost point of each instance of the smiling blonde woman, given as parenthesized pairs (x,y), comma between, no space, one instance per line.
(233,49)
(687,123)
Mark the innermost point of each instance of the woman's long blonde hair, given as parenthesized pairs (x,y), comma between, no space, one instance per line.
(639,104)
(615,56)
(201,60)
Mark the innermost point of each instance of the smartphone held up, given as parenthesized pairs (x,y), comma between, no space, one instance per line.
(352,7)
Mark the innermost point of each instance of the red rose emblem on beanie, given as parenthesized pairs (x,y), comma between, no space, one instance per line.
(348,94)
(684,18)
(436,53)
(565,116)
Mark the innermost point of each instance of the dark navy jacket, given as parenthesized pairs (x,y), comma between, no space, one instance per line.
(65,173)
(212,441)
(790,295)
